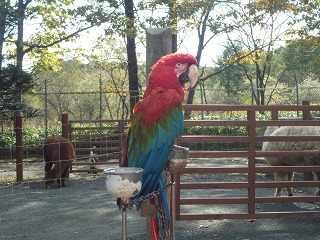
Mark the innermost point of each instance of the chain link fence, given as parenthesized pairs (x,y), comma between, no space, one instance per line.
(115,105)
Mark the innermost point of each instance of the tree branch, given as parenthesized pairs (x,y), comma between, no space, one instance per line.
(33,46)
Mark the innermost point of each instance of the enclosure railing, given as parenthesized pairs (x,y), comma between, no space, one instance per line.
(96,142)
(251,138)
(111,135)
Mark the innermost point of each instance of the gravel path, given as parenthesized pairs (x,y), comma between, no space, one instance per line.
(83,210)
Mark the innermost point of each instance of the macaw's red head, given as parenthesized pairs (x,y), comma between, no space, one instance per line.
(173,71)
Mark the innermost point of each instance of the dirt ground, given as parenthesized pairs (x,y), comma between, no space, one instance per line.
(84,210)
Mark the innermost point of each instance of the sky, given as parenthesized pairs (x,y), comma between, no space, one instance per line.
(189,45)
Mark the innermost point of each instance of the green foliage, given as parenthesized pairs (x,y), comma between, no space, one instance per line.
(32,136)
(309,90)
(218,130)
(7,138)
(82,90)
(301,59)
(99,128)
(231,76)
(12,84)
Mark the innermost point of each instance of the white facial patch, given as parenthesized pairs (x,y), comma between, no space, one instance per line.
(180,68)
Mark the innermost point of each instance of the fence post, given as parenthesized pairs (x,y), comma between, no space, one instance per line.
(251,161)
(306,115)
(274,114)
(65,125)
(177,195)
(19,149)
(122,140)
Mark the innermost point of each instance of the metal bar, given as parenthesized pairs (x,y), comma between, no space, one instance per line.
(218,154)
(177,194)
(214,185)
(19,149)
(211,201)
(265,215)
(124,223)
(193,170)
(252,162)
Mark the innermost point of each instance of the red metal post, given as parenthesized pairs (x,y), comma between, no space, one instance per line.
(274,115)
(252,161)
(122,139)
(19,149)
(306,115)
(177,194)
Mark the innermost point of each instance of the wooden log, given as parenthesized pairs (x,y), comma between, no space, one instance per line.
(159,43)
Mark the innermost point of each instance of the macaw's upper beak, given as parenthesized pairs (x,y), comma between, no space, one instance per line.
(190,75)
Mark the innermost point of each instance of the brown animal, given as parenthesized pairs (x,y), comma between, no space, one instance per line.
(58,155)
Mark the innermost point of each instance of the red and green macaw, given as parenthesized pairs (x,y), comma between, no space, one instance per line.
(158,120)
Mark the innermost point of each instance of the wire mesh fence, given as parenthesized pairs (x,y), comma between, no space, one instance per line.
(116,105)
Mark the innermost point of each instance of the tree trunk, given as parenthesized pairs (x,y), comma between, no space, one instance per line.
(3,17)
(20,52)
(132,56)
(173,22)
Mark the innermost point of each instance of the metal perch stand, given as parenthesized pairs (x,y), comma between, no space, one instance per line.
(123,182)
(176,163)
(124,218)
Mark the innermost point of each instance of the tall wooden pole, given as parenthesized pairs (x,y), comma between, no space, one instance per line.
(159,43)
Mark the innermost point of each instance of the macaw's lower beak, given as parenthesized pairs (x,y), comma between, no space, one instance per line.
(190,75)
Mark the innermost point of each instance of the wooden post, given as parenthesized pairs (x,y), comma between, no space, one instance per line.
(19,149)
(159,43)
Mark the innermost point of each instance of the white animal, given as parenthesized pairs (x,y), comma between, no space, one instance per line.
(291,146)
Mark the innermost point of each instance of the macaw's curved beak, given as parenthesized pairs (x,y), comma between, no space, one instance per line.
(190,75)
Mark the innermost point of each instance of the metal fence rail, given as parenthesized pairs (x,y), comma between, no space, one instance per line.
(251,170)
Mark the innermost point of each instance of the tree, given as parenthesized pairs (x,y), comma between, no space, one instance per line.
(7,25)
(231,76)
(206,16)
(302,59)
(131,53)
(10,87)
(306,16)
(56,19)
(263,28)
(309,90)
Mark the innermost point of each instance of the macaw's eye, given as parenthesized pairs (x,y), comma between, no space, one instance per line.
(179,65)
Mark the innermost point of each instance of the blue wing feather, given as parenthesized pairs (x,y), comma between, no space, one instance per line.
(157,122)
(150,146)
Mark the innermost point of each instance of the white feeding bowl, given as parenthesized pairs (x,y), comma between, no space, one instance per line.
(123,182)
